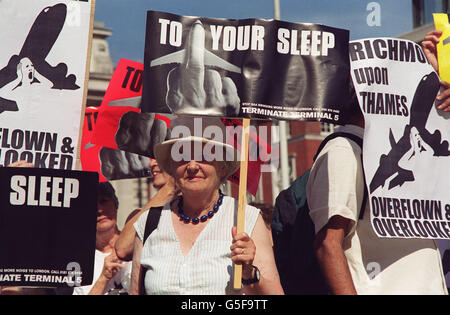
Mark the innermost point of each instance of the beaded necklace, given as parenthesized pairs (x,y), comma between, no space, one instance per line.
(203,218)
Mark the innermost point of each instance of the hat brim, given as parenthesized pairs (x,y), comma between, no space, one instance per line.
(164,157)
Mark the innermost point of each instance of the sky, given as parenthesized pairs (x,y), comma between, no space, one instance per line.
(127,18)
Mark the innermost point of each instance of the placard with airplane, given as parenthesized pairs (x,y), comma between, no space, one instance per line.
(406,139)
(250,68)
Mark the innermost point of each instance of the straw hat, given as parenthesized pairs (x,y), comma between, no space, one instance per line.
(208,130)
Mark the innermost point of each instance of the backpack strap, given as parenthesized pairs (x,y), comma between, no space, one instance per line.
(152,222)
(359,142)
(365,195)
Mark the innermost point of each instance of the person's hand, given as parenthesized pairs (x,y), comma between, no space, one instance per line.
(140,133)
(443,98)
(139,165)
(192,88)
(429,46)
(21,164)
(111,266)
(243,252)
(117,164)
(113,163)
(19,72)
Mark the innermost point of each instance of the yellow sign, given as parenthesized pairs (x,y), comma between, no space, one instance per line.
(443,47)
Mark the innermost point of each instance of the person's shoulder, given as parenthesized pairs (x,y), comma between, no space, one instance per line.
(228,200)
(252,208)
(252,212)
(337,148)
(139,225)
(144,215)
(342,143)
(347,135)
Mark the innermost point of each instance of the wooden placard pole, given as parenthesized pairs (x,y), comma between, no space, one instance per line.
(86,82)
(237,284)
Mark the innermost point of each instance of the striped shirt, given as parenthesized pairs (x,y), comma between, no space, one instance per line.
(207,269)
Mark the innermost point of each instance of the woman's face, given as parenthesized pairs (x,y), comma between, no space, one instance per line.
(159,177)
(198,175)
(27,70)
(106,213)
(415,139)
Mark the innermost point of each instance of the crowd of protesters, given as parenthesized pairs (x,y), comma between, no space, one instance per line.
(195,244)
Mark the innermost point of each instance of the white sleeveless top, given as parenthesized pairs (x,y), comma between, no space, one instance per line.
(207,269)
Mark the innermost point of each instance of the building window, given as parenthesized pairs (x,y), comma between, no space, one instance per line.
(101,47)
(326,128)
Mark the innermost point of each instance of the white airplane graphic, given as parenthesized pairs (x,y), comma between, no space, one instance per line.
(197,37)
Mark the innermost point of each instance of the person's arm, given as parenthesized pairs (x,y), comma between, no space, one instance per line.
(429,45)
(99,286)
(125,243)
(256,250)
(330,255)
(110,268)
(136,286)
(335,192)
(21,163)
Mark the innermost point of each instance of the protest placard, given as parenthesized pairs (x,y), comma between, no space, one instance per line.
(111,164)
(250,68)
(48,222)
(136,140)
(120,123)
(43,81)
(406,139)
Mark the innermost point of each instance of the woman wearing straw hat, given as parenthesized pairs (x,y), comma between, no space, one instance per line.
(193,249)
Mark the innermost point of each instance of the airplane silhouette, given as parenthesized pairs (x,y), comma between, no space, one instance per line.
(179,57)
(210,59)
(40,40)
(421,105)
